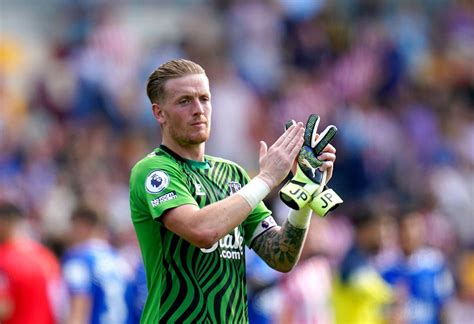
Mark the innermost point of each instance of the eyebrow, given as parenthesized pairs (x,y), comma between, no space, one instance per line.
(189,94)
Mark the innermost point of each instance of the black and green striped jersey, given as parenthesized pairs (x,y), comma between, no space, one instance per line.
(187,284)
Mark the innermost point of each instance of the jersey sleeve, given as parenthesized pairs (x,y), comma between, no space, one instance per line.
(443,285)
(157,187)
(6,289)
(259,221)
(77,276)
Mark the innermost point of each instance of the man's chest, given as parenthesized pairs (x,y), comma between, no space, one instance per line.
(208,187)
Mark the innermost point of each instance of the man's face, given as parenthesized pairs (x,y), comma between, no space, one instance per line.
(371,235)
(411,233)
(185,113)
(375,235)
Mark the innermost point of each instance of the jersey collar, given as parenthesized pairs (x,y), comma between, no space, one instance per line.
(193,163)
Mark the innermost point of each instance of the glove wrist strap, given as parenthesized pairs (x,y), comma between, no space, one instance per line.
(294,195)
(325,202)
(300,218)
(298,192)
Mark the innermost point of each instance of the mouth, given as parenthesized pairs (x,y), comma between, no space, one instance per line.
(201,123)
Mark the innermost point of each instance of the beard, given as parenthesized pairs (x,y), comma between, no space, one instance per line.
(186,139)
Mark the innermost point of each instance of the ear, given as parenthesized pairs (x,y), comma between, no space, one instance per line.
(158,113)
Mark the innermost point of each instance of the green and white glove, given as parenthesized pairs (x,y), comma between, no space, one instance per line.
(308,183)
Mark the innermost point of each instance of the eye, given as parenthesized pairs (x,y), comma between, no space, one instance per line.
(183,101)
(205,98)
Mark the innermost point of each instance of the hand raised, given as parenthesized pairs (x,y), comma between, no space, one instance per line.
(276,161)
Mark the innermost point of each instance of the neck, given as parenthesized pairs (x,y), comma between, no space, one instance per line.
(365,246)
(4,238)
(407,252)
(85,237)
(9,234)
(191,152)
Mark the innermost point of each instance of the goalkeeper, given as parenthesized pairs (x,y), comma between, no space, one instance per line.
(193,212)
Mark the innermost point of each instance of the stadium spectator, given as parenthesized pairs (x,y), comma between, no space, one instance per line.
(360,293)
(420,273)
(137,293)
(262,289)
(30,276)
(306,291)
(95,275)
(461,308)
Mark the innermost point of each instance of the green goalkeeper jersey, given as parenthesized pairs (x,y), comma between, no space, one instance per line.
(187,284)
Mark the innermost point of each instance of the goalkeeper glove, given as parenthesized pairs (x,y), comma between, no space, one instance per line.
(308,183)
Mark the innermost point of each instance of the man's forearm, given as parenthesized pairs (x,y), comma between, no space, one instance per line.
(203,227)
(280,247)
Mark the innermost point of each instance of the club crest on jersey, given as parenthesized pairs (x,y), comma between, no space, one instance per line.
(156,181)
(234,186)
(199,190)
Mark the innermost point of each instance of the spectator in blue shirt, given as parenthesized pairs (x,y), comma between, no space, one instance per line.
(137,293)
(96,275)
(420,273)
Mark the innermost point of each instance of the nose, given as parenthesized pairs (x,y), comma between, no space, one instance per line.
(198,108)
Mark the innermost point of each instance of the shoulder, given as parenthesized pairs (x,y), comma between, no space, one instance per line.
(75,261)
(88,251)
(48,259)
(353,261)
(156,164)
(427,258)
(221,161)
(31,249)
(74,252)
(216,159)
(153,160)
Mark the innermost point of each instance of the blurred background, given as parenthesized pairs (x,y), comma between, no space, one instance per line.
(395,77)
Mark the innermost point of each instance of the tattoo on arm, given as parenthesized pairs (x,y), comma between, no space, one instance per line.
(280,247)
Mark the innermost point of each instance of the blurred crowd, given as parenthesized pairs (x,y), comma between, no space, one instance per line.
(395,77)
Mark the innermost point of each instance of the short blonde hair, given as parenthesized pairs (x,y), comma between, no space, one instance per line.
(155,88)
